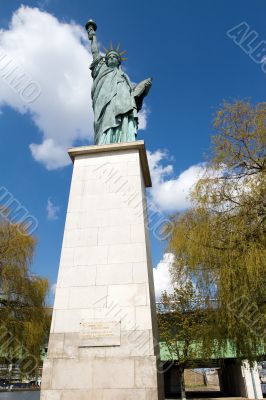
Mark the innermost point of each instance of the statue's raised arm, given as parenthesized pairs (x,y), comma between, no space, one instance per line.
(115,100)
(91,28)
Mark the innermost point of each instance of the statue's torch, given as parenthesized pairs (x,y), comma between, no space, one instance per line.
(91,28)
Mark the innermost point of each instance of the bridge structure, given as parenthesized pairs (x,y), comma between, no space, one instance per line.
(237,378)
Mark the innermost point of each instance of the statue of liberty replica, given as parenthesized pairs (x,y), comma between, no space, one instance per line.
(115,100)
(94,351)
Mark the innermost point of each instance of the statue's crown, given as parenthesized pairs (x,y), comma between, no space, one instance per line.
(116,51)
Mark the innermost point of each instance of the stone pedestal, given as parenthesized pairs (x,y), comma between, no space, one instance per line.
(103,339)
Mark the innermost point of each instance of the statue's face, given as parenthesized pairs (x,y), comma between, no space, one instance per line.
(112,60)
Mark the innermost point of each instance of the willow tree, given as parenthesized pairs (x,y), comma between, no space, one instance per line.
(222,237)
(185,325)
(23,315)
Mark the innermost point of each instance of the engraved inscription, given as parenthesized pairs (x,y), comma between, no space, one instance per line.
(99,333)
(98,329)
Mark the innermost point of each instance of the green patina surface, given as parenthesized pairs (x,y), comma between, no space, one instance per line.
(116,101)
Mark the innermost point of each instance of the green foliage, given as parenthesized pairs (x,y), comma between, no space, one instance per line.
(184,325)
(222,238)
(24,321)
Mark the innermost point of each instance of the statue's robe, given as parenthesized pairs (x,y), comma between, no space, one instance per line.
(114,104)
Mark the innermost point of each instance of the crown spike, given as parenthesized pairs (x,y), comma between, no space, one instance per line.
(115,50)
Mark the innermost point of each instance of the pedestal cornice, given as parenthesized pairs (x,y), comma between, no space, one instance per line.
(137,145)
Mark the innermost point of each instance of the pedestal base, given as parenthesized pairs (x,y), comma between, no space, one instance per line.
(103,340)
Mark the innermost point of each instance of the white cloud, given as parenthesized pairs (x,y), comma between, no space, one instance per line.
(163,280)
(169,192)
(161,274)
(54,55)
(51,295)
(53,288)
(52,210)
(143,117)
(49,153)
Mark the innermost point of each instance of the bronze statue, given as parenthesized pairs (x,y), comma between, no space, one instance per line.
(115,100)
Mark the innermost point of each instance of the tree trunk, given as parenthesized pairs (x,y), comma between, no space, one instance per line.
(182,383)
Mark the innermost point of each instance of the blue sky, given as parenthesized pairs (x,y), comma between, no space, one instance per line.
(182,44)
